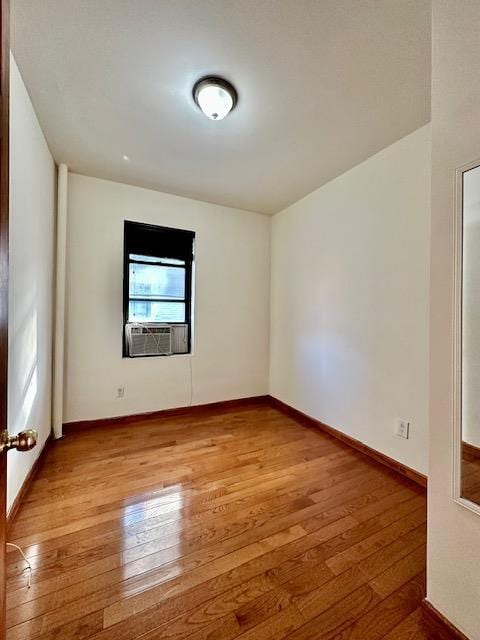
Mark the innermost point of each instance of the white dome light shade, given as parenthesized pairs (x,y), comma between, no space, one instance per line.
(215,102)
(215,97)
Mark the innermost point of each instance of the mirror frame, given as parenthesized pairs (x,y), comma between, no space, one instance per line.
(458,339)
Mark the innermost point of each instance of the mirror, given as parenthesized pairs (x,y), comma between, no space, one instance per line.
(468,325)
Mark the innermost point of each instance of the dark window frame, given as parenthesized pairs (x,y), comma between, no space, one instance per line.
(188,257)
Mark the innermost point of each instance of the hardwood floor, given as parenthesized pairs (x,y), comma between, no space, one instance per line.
(231,524)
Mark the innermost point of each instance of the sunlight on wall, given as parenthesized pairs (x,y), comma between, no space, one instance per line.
(23,373)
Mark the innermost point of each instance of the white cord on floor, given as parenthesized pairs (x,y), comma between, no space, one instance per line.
(29,566)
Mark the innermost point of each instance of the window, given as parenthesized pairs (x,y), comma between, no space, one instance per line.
(156,290)
(157,275)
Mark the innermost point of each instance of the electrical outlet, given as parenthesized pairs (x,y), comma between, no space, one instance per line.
(403,428)
(120,392)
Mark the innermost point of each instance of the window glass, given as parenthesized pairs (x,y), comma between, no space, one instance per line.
(135,256)
(156,281)
(149,311)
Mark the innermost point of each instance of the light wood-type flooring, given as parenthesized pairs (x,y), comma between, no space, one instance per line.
(471,473)
(235,523)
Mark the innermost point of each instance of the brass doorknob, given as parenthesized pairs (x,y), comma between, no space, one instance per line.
(23,441)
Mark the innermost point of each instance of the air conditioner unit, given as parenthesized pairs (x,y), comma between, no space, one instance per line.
(148,339)
(179,338)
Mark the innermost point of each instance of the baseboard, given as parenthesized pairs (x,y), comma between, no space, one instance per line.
(195,410)
(416,476)
(27,482)
(438,625)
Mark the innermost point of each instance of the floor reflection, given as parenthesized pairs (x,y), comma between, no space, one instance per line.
(153,535)
(471,472)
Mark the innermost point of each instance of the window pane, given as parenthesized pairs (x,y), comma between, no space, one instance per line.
(141,311)
(135,256)
(154,281)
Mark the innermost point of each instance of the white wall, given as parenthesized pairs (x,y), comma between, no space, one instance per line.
(453,568)
(349,316)
(32,207)
(231,313)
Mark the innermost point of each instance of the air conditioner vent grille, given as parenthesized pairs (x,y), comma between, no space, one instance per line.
(148,340)
(149,330)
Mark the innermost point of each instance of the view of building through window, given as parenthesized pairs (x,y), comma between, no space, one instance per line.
(156,289)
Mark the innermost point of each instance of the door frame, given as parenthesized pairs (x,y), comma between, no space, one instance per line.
(4,218)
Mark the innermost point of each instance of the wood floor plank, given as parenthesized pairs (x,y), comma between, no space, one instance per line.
(210,611)
(387,614)
(411,628)
(125,608)
(277,626)
(338,616)
(343,560)
(399,573)
(122,602)
(230,524)
(225,628)
(253,613)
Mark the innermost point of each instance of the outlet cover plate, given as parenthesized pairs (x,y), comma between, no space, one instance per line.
(403,428)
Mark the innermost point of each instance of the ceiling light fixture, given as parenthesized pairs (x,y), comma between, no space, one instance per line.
(215,97)
(126,158)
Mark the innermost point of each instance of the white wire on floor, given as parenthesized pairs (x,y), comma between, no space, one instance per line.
(29,566)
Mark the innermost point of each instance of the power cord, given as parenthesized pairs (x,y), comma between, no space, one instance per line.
(157,340)
(155,336)
(29,566)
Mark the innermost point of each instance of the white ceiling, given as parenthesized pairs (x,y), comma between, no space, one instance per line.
(322,85)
